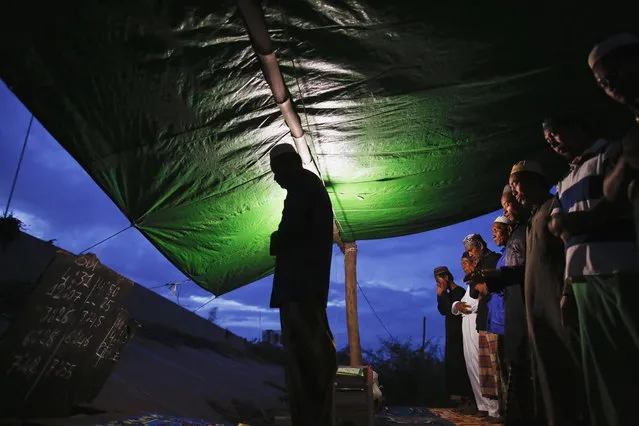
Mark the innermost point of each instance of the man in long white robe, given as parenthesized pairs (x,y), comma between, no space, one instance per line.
(471,350)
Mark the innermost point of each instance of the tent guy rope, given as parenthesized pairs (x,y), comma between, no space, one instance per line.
(15,176)
(205,303)
(106,239)
(370,305)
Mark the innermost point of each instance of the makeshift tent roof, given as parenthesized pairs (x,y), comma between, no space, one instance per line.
(415,110)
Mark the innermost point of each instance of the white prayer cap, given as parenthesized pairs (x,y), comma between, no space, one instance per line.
(507,190)
(282,148)
(528,166)
(503,219)
(609,45)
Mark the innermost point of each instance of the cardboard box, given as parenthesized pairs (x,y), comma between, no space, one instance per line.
(354,396)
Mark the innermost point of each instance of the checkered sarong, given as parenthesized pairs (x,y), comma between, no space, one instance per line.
(489,377)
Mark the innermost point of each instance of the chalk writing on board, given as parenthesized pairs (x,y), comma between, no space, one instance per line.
(62,347)
(106,304)
(88,261)
(113,291)
(25,363)
(93,319)
(78,338)
(62,315)
(109,348)
(70,285)
(45,337)
(61,369)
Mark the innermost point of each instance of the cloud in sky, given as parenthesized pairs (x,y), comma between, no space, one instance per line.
(227,305)
(57,199)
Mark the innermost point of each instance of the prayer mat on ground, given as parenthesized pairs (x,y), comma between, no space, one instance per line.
(391,416)
(460,419)
(155,419)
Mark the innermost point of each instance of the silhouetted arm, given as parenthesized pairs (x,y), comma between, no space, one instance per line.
(617,182)
(498,279)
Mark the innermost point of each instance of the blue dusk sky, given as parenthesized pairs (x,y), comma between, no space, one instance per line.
(57,199)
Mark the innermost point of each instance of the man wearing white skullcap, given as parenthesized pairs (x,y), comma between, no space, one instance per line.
(303,246)
(496,318)
(555,365)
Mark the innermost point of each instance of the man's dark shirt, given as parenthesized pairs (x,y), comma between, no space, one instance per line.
(488,261)
(303,244)
(515,329)
(516,246)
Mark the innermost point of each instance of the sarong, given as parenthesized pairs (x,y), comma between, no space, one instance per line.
(609,321)
(489,379)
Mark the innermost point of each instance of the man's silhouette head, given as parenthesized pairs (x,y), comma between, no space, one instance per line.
(285,162)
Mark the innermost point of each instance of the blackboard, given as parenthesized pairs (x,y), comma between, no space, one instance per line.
(62,347)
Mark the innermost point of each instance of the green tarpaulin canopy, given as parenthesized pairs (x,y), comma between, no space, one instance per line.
(414,110)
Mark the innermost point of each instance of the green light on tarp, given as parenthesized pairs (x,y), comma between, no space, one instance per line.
(419,117)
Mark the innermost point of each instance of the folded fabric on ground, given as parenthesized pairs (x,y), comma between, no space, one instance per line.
(410,416)
(459,419)
(156,419)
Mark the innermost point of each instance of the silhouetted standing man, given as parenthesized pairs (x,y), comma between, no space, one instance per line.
(302,246)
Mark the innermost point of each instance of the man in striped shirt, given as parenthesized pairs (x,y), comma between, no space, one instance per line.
(602,272)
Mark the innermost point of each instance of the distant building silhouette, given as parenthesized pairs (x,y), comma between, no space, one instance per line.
(271,336)
(212,317)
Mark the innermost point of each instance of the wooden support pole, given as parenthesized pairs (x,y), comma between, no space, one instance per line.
(424,334)
(352,321)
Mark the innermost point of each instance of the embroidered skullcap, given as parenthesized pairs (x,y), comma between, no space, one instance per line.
(528,166)
(503,219)
(282,148)
(441,270)
(473,240)
(609,45)
(507,190)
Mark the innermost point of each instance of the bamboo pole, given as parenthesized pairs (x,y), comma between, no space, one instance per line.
(255,24)
(352,320)
(253,16)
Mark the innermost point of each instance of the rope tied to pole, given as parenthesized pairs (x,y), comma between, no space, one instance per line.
(350,247)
